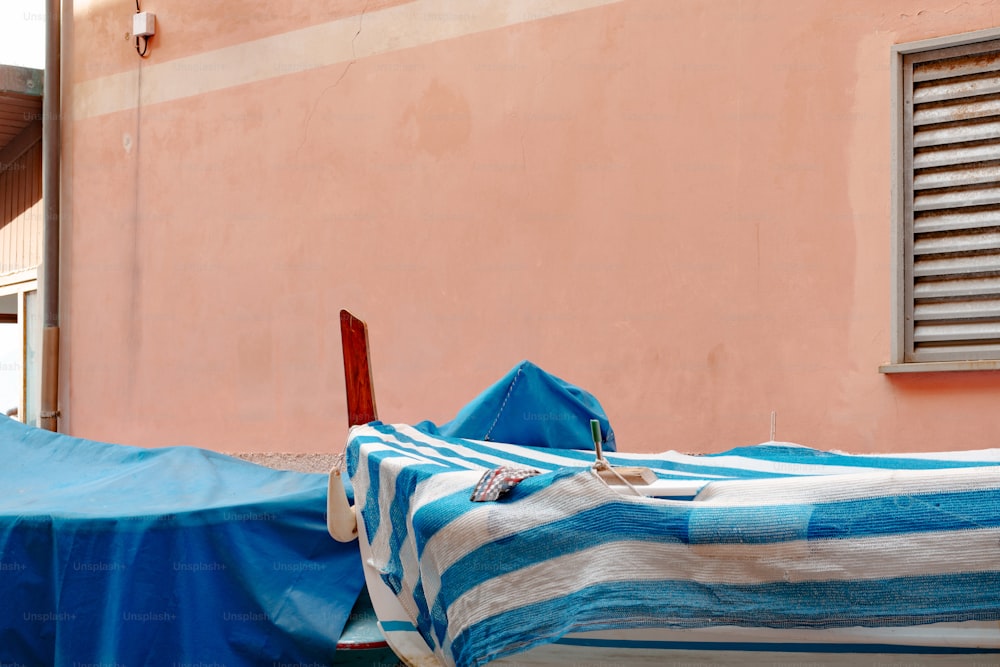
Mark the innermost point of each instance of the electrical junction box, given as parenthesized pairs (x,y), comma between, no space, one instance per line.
(143,24)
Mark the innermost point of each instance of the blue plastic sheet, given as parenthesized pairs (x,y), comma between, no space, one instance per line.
(123,555)
(530,407)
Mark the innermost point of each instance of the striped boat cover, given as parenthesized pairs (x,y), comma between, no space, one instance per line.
(774,535)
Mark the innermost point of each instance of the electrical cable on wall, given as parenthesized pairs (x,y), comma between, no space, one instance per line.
(145,38)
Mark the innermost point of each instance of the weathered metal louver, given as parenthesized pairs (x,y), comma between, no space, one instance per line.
(952,119)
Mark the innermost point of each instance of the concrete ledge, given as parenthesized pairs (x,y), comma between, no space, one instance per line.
(941,366)
(298,462)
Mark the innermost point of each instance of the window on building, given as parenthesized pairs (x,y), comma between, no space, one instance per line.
(946,204)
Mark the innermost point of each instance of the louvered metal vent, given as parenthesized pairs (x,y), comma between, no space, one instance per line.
(952,207)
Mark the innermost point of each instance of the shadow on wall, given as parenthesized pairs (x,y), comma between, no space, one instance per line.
(955,382)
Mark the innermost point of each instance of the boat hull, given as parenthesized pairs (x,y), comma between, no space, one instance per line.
(968,644)
(847,560)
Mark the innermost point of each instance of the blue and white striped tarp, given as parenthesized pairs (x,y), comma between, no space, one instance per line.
(769,536)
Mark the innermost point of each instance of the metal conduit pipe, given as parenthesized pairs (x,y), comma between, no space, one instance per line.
(51,122)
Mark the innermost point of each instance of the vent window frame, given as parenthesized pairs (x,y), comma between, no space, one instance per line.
(946,204)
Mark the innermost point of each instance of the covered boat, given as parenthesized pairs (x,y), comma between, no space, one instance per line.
(118,555)
(767,554)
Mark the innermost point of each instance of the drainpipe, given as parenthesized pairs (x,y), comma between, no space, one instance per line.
(51,121)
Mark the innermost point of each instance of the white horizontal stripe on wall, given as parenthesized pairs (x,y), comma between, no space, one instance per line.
(391,29)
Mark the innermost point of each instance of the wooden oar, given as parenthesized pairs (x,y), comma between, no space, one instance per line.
(361,636)
(357,370)
(341,518)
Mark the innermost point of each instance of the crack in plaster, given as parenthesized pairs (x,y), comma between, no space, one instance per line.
(353,60)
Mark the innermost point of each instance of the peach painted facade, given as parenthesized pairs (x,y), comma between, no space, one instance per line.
(683,207)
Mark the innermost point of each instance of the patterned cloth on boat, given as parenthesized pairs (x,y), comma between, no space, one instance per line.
(772,536)
(494,483)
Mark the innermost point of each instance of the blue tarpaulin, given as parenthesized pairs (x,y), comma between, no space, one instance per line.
(530,407)
(119,555)
(112,554)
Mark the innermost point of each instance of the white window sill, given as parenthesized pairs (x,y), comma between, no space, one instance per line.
(941,366)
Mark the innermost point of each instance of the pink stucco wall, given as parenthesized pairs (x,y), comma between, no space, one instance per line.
(680,206)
